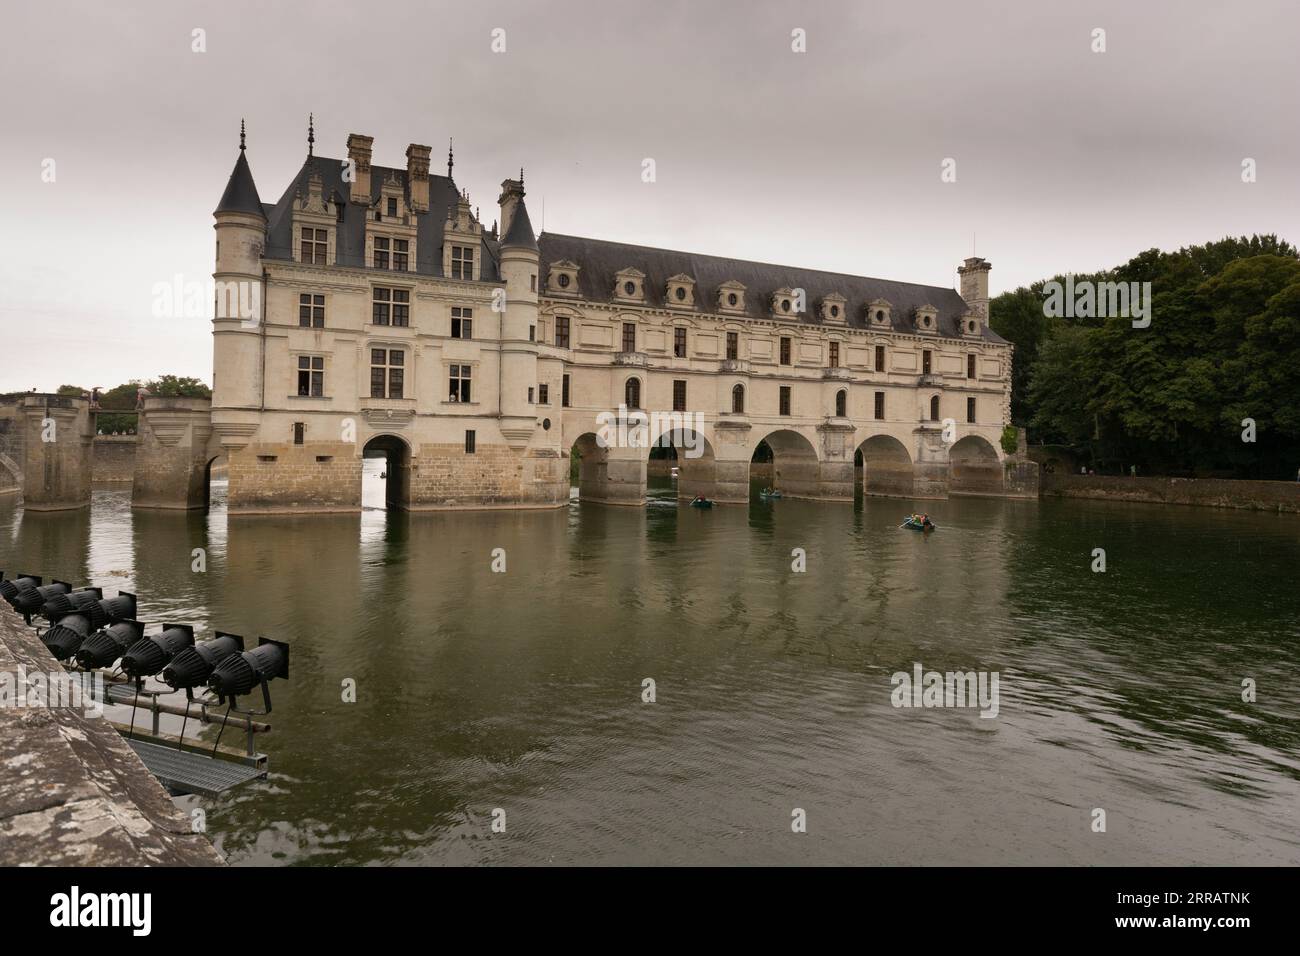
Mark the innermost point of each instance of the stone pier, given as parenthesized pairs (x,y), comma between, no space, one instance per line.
(57,437)
(172,454)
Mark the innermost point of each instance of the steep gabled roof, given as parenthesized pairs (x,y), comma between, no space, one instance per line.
(601,261)
(350,245)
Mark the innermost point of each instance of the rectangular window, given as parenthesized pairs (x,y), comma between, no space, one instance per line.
(314,245)
(925,361)
(401,307)
(733,345)
(679,343)
(543,394)
(401,249)
(381,253)
(459,377)
(311,376)
(469,442)
(391,307)
(880,358)
(299,429)
(679,395)
(564,392)
(530,395)
(311,311)
(462,322)
(387,373)
(835,355)
(785,351)
(532,333)
(629,336)
(970,410)
(970,366)
(462,262)
(785,399)
(561,331)
(392,207)
(880,405)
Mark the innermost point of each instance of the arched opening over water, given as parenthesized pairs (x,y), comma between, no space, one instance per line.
(886,467)
(973,468)
(588,468)
(690,454)
(795,469)
(216,482)
(385,473)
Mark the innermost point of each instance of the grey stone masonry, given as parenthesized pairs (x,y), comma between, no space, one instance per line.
(72,793)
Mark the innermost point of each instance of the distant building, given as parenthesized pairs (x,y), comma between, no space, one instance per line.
(388,321)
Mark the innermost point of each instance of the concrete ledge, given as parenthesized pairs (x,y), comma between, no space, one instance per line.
(72,793)
(1275,496)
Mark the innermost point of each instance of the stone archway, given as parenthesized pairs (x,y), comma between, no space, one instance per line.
(886,467)
(695,462)
(396,454)
(796,470)
(974,468)
(11,476)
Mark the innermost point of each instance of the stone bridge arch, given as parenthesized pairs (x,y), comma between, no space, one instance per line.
(974,467)
(11,476)
(887,468)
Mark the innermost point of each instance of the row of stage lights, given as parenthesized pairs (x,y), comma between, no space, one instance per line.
(98,632)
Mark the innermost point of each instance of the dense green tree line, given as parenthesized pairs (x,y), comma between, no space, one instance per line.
(1223,346)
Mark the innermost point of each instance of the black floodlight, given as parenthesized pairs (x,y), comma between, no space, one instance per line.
(57,605)
(103,647)
(30,600)
(10,587)
(240,673)
(192,666)
(149,655)
(67,635)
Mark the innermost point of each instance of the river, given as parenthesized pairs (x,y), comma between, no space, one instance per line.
(522,691)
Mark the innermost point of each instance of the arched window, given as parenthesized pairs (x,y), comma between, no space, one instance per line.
(632,393)
(934,408)
(738,399)
(842,403)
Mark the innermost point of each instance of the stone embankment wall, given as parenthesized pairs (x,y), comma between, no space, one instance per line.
(72,793)
(114,458)
(1281,496)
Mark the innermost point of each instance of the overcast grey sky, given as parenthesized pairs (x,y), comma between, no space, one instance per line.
(1066,159)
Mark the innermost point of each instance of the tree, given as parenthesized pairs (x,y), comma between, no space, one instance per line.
(170,386)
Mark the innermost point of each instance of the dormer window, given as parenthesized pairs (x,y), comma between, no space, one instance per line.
(562,277)
(731,297)
(970,325)
(783,303)
(462,262)
(681,292)
(927,318)
(392,207)
(629,284)
(832,309)
(878,313)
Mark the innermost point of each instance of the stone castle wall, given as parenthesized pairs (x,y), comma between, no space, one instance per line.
(114,458)
(1280,496)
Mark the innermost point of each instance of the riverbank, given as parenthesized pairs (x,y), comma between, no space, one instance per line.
(1277,496)
(72,793)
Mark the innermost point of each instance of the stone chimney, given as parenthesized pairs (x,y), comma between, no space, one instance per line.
(359,155)
(975,286)
(512,191)
(417,176)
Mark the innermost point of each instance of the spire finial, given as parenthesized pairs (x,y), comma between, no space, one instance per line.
(241,134)
(451,161)
(311,132)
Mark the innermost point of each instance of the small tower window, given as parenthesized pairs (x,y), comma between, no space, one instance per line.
(738,399)
(934,408)
(841,403)
(632,393)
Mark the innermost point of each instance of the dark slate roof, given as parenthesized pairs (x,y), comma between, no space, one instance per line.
(521,229)
(600,260)
(351,234)
(241,191)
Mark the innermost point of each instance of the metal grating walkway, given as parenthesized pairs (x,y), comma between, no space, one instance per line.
(186,772)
